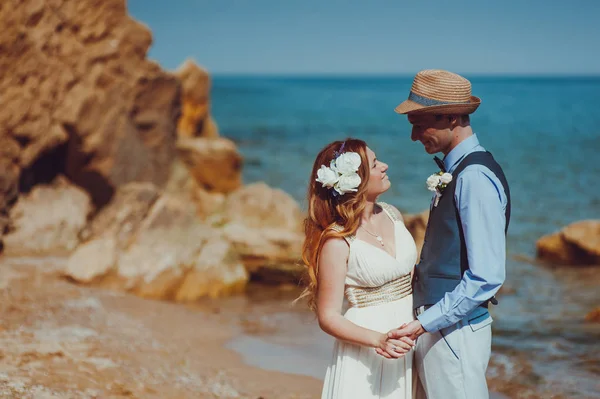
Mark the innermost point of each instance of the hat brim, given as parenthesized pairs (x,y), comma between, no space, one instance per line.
(411,107)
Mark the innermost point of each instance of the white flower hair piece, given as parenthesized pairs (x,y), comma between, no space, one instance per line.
(341,174)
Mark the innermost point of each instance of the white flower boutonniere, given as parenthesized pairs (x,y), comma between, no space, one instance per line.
(437,182)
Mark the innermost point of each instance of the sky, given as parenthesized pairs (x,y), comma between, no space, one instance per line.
(373,37)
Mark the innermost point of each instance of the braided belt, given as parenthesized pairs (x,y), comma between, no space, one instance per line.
(361,297)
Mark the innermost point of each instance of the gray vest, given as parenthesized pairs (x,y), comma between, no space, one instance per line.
(444,254)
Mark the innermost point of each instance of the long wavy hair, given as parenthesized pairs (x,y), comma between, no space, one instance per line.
(326,210)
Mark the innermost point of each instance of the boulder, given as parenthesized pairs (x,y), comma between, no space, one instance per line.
(576,244)
(215,163)
(257,205)
(264,226)
(195,120)
(154,245)
(183,185)
(92,260)
(48,220)
(593,316)
(260,247)
(217,271)
(123,216)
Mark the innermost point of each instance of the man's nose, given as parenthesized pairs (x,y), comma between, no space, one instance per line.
(414,135)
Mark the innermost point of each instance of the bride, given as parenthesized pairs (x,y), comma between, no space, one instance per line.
(358,248)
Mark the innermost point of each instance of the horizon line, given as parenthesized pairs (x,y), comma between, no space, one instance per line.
(397,75)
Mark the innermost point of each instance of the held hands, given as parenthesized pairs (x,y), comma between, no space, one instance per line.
(414,329)
(399,341)
(394,348)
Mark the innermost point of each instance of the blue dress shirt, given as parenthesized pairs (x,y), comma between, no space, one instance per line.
(481,203)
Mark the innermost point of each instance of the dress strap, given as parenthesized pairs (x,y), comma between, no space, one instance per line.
(339,229)
(390,211)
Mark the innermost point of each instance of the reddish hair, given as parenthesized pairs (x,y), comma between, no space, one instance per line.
(325,210)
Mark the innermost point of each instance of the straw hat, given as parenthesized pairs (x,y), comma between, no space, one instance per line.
(440,92)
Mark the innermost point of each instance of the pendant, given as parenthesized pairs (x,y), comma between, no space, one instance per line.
(380,239)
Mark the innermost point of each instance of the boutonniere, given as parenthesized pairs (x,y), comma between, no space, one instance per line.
(437,182)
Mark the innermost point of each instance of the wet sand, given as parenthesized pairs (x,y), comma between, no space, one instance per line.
(60,340)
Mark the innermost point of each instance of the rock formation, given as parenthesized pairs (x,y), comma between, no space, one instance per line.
(593,316)
(195,120)
(155,246)
(79,98)
(105,166)
(416,225)
(48,220)
(576,244)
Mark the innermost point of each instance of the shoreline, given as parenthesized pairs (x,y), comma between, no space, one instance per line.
(101,343)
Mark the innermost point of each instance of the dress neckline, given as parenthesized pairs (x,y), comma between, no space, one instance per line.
(395,238)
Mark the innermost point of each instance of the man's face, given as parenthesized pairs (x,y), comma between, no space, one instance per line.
(432,131)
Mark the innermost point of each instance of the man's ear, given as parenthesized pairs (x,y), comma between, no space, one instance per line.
(453,120)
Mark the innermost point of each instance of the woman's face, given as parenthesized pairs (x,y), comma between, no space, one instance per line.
(379,181)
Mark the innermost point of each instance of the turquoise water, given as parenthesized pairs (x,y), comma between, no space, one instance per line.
(545,132)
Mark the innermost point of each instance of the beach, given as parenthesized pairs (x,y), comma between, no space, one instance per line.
(106,344)
(62,341)
(151,220)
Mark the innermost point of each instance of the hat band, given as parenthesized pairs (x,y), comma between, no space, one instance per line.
(427,102)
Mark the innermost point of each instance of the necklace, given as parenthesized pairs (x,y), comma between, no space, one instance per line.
(377,237)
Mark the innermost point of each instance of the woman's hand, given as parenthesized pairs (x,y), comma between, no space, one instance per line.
(394,348)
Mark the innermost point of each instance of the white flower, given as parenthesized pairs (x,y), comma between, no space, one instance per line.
(327,176)
(347,183)
(347,163)
(446,178)
(341,173)
(433,181)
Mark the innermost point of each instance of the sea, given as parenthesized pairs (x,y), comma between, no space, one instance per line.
(544,131)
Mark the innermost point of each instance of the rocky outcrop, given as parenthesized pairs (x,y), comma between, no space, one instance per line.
(80,98)
(257,206)
(155,246)
(48,220)
(416,225)
(576,244)
(183,185)
(215,163)
(593,316)
(265,227)
(170,216)
(9,180)
(195,120)
(125,213)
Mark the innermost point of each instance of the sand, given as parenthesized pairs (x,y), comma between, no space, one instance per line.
(61,340)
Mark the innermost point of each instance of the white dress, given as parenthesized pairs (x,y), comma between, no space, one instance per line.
(358,371)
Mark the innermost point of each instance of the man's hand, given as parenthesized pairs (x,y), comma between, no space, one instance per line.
(412,330)
(394,348)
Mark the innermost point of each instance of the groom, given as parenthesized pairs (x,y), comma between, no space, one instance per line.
(462,263)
